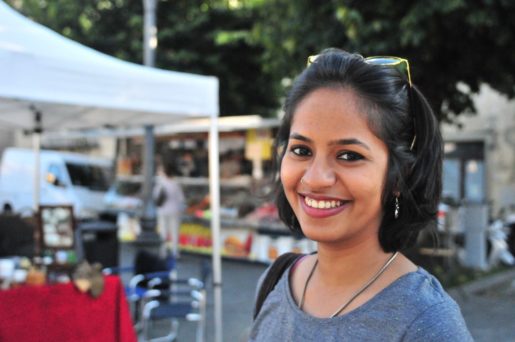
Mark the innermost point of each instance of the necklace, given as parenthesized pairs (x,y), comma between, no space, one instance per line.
(357,293)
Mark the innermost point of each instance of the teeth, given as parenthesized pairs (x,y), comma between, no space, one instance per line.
(321,204)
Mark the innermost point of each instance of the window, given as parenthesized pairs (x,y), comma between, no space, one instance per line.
(451,180)
(128,188)
(90,176)
(464,172)
(55,176)
(474,180)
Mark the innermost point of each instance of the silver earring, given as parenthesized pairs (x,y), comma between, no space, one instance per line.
(397,207)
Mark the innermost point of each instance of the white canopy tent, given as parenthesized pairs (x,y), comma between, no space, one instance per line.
(50,82)
(82,88)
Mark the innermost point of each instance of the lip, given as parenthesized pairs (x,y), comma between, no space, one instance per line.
(321,213)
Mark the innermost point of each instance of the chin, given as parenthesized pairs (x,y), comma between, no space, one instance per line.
(321,233)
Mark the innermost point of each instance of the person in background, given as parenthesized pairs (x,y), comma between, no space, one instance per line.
(359,158)
(187,165)
(170,206)
(7,209)
(16,234)
(230,165)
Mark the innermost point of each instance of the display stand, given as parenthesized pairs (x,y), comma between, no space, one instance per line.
(242,240)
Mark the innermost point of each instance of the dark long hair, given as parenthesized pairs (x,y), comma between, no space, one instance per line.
(397,112)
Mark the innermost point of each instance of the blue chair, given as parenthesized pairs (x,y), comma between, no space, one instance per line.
(185,300)
(162,295)
(147,266)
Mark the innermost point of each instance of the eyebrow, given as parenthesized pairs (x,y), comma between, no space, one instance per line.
(349,141)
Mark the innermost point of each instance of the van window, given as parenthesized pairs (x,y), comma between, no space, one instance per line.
(127,187)
(89,176)
(54,175)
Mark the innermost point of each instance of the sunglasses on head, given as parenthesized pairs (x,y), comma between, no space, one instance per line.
(401,64)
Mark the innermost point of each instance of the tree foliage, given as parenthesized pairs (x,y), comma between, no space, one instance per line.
(453,46)
(256,47)
(110,26)
(211,38)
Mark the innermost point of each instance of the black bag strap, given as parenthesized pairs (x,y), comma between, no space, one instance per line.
(272,277)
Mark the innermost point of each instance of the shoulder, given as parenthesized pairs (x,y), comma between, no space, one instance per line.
(298,274)
(441,322)
(276,273)
(417,291)
(173,182)
(169,183)
(280,268)
(435,315)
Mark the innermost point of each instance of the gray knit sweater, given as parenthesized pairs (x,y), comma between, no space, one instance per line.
(413,308)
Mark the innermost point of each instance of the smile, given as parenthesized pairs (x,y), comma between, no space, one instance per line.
(321,208)
(317,204)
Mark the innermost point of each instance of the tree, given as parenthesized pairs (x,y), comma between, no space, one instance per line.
(112,27)
(213,38)
(255,47)
(453,46)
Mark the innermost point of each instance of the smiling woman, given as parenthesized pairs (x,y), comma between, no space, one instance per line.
(359,165)
(333,157)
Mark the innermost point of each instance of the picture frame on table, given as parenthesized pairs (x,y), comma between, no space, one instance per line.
(56,225)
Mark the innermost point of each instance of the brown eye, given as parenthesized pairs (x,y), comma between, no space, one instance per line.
(350,156)
(300,151)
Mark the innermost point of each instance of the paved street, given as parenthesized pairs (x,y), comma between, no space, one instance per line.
(489,309)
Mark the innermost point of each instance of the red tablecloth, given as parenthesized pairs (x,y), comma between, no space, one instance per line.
(57,313)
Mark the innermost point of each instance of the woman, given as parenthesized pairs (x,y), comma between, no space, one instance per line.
(360,157)
(170,209)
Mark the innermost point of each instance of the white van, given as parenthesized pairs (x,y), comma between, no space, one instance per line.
(65,178)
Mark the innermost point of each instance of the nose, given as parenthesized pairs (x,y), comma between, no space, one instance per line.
(319,174)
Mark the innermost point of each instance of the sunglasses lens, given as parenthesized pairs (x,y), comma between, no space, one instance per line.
(311,59)
(383,61)
(400,64)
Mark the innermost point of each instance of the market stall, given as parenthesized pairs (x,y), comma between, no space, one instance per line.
(250,227)
(50,82)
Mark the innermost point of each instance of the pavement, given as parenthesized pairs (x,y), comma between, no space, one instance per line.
(488,304)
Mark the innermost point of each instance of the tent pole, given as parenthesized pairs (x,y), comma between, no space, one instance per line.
(148,219)
(214,190)
(149,45)
(149,32)
(148,171)
(36,143)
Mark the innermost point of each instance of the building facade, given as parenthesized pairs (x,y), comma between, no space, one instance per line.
(479,164)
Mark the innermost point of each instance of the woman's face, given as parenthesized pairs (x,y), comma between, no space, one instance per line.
(334,168)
